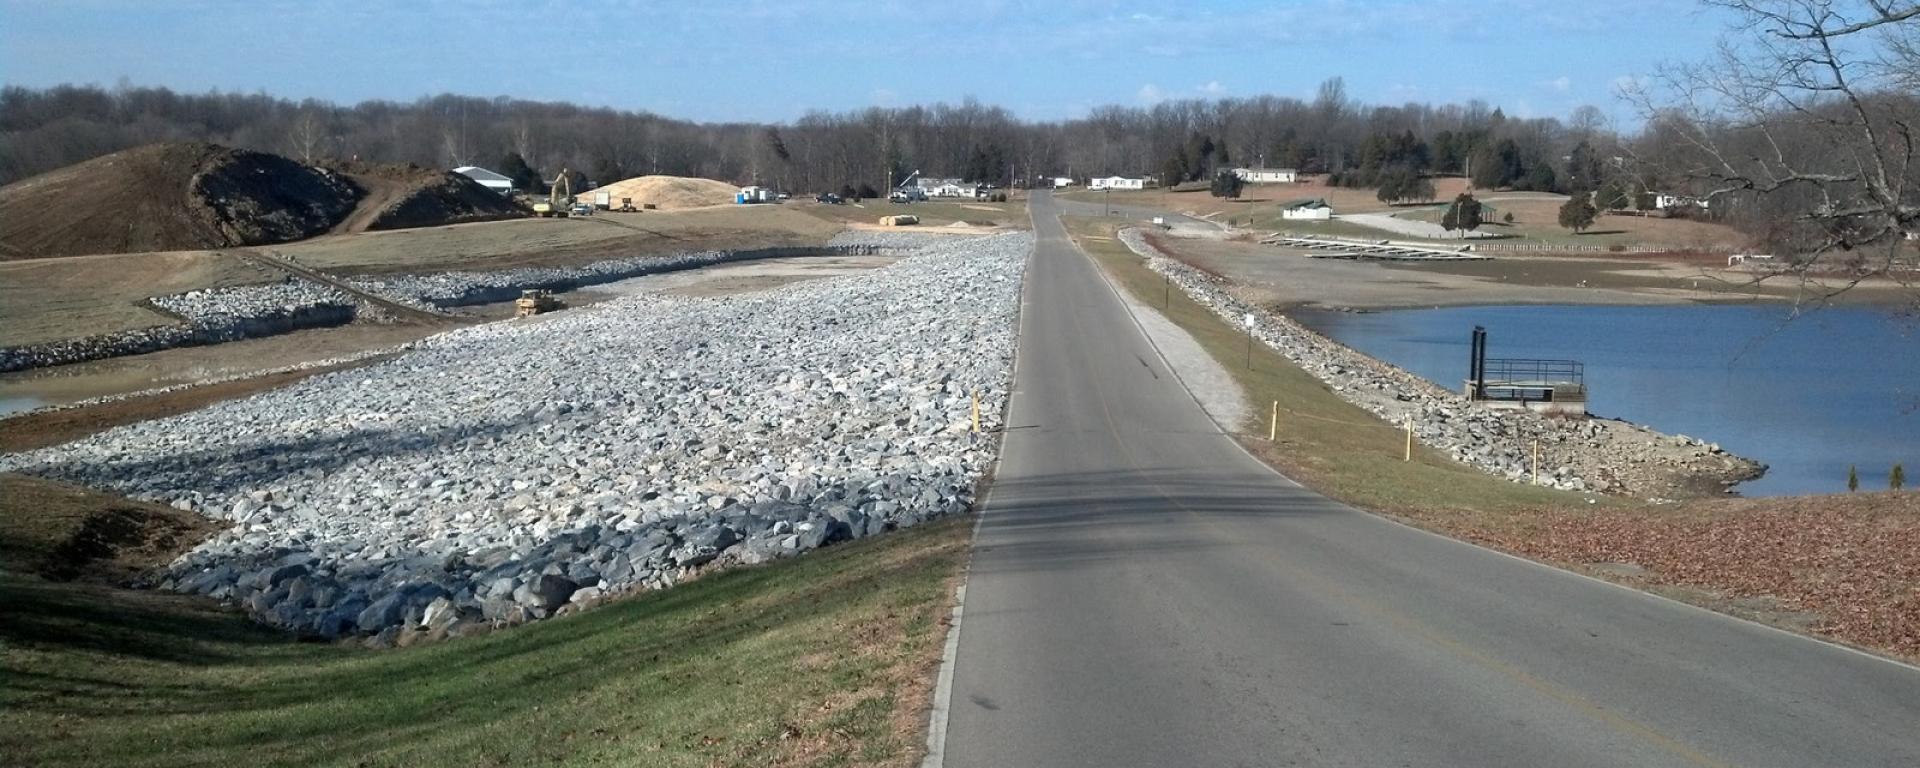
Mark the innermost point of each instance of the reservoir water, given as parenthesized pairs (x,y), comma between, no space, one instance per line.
(1809,397)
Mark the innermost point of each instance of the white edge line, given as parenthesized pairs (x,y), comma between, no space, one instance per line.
(941,704)
(1509,555)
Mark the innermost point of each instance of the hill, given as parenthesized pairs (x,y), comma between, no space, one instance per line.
(170,197)
(402,196)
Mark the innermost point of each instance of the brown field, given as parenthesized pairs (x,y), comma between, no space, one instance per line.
(1286,277)
(49,299)
(1539,220)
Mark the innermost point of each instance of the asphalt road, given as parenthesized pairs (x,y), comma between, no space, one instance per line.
(1145,594)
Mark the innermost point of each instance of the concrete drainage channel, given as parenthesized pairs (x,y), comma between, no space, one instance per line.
(220,315)
(623,446)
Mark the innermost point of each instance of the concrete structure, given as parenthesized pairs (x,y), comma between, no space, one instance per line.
(1116,182)
(491,180)
(1316,209)
(1267,175)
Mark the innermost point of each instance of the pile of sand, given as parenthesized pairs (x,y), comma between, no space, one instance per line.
(668,192)
(170,197)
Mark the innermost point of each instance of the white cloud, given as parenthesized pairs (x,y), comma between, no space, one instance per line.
(883,96)
(1561,84)
(1212,88)
(1151,94)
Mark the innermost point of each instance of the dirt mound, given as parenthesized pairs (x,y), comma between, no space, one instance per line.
(404,196)
(668,192)
(170,197)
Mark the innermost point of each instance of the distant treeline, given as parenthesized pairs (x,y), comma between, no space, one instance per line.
(49,128)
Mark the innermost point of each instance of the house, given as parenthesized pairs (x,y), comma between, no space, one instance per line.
(1267,175)
(955,189)
(1060,182)
(1316,209)
(751,195)
(489,179)
(1116,182)
(1663,201)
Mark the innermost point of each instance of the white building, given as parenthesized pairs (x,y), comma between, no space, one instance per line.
(1116,182)
(1060,182)
(955,189)
(1267,175)
(489,179)
(1663,201)
(1307,210)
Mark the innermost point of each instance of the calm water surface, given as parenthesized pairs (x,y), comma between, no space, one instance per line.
(1808,397)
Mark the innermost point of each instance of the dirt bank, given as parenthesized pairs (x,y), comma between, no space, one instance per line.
(170,197)
(407,196)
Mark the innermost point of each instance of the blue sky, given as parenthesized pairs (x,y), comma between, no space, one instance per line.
(775,60)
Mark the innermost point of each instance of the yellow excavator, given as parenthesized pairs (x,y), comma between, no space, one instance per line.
(559,197)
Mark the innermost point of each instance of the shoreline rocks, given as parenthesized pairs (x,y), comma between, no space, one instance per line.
(505,472)
(1593,454)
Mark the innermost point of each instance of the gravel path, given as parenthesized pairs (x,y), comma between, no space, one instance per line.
(1210,382)
(498,473)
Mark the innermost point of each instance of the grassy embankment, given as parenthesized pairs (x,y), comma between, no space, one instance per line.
(1323,441)
(821,660)
(1844,567)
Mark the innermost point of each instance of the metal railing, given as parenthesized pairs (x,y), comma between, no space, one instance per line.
(1522,369)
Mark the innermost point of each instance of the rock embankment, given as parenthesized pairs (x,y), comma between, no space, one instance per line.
(455,289)
(500,473)
(210,316)
(1600,455)
(216,315)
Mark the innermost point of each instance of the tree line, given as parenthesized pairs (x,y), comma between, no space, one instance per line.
(1175,141)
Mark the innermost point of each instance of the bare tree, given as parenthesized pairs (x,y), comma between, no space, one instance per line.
(1804,127)
(308,134)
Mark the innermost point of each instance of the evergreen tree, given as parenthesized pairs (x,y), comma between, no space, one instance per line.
(1853,478)
(1174,170)
(1463,214)
(515,167)
(1227,184)
(1583,169)
(1898,478)
(1577,213)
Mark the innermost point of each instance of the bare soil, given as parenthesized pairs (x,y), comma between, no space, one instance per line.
(406,196)
(169,197)
(64,532)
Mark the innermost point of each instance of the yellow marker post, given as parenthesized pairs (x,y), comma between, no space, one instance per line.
(976,411)
(1408,454)
(1273,423)
(1536,461)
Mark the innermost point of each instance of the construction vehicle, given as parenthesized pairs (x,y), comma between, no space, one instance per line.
(535,302)
(559,197)
(905,193)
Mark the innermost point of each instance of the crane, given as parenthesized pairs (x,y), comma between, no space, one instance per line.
(905,194)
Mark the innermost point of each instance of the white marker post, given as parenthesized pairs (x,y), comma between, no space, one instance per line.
(1248,319)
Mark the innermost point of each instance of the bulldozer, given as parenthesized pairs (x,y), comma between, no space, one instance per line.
(535,302)
(559,197)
